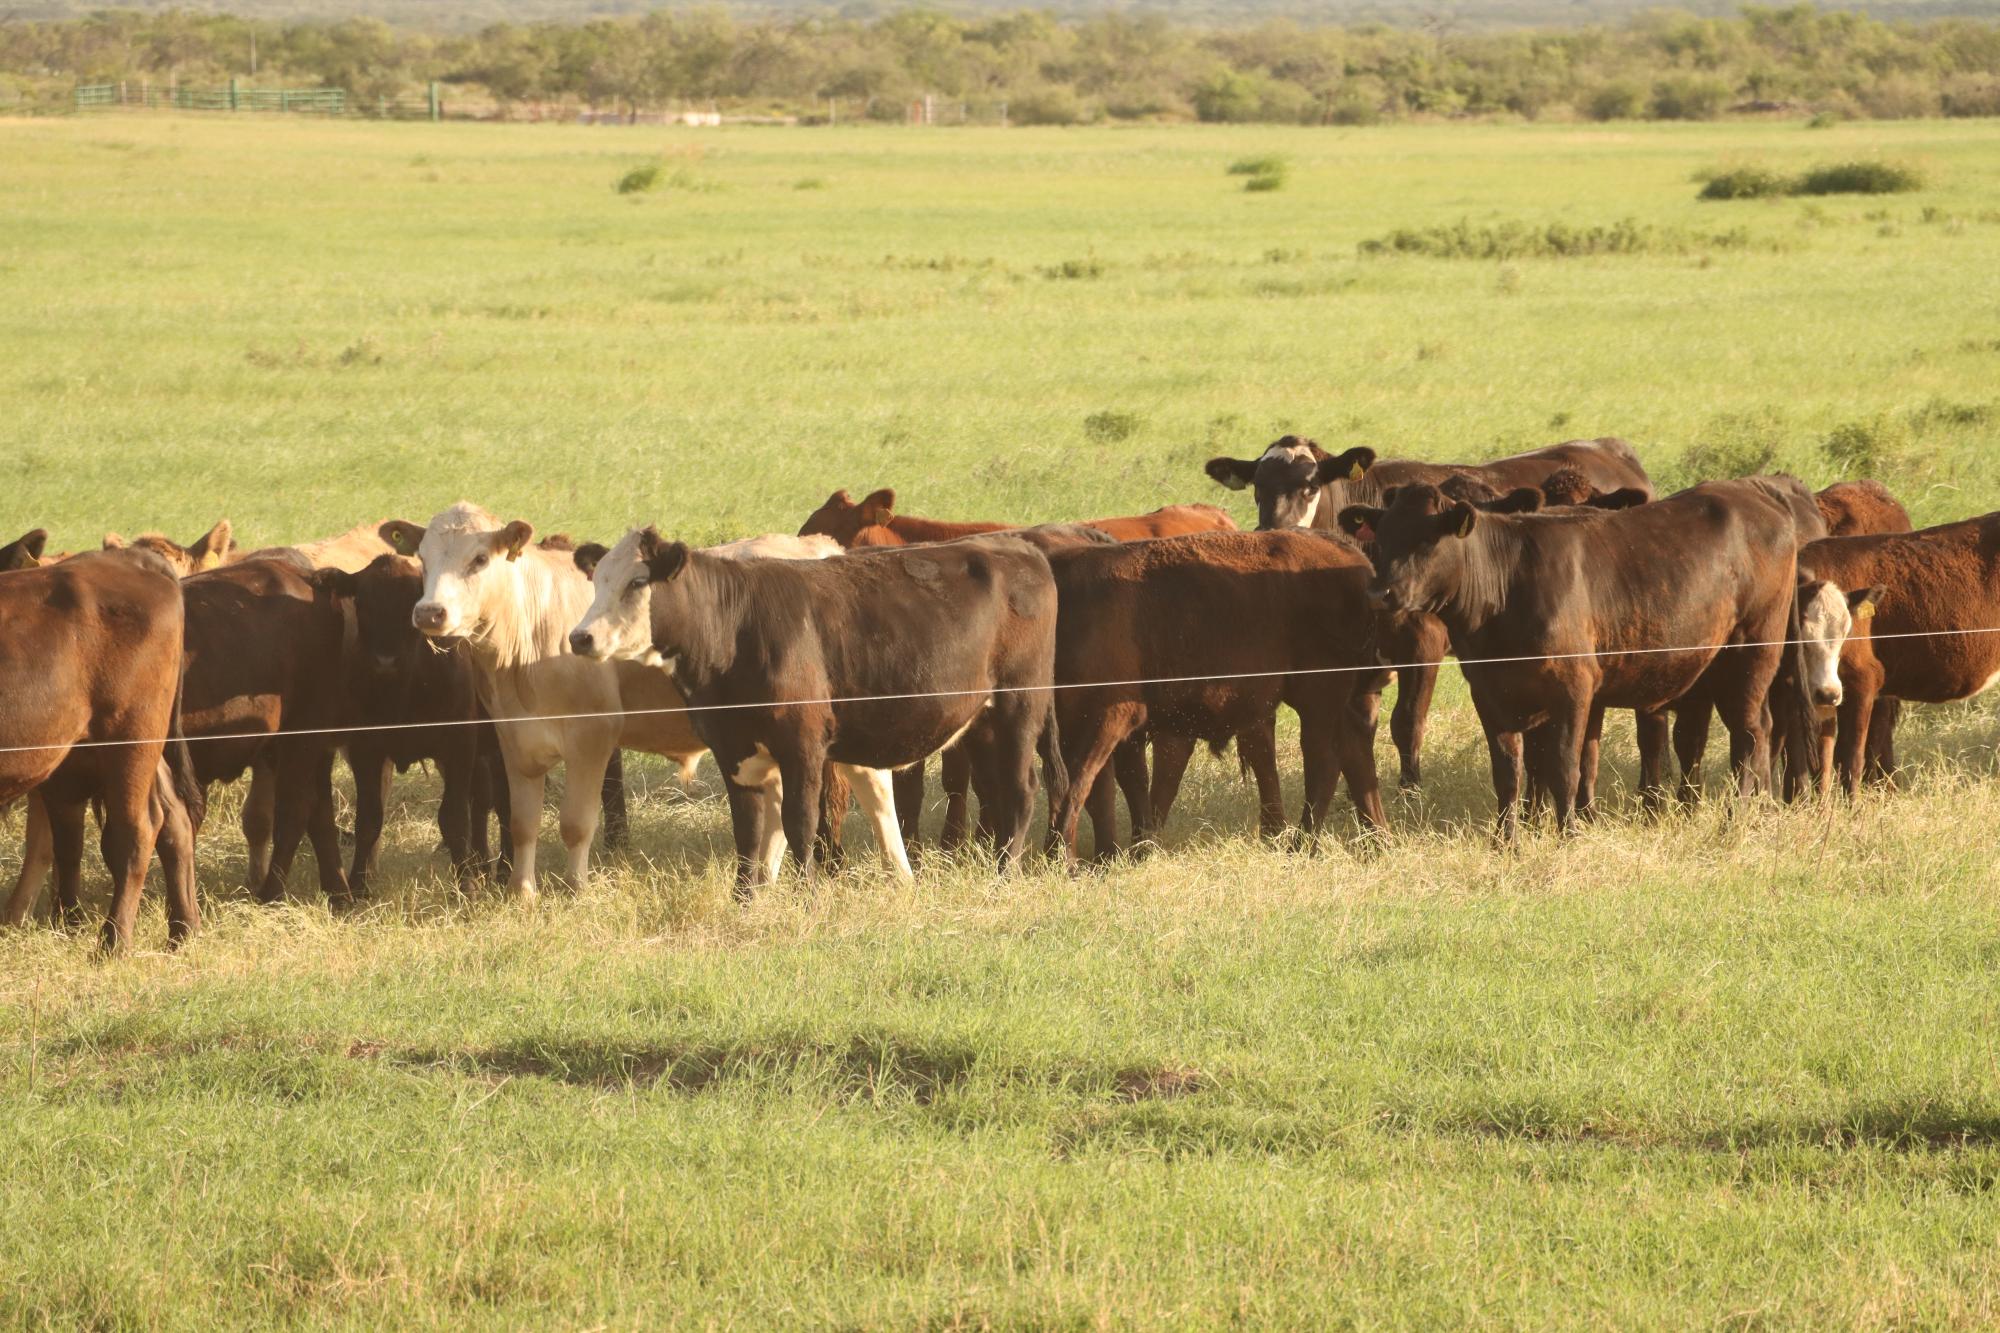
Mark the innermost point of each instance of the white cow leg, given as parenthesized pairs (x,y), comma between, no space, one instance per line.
(582,786)
(771,832)
(875,789)
(524,824)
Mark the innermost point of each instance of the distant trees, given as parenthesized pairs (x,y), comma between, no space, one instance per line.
(1661,64)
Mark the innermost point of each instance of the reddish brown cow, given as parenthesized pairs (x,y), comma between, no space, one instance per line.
(1298,484)
(1859,508)
(265,640)
(1146,612)
(211,550)
(1936,635)
(1556,617)
(874,522)
(90,666)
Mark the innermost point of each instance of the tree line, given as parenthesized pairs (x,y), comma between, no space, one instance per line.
(1036,68)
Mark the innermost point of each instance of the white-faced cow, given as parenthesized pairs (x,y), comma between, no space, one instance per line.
(871,664)
(513,603)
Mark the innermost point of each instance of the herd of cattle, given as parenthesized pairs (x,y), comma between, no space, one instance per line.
(832,665)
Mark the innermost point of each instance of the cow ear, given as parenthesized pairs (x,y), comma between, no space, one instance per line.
(1235,473)
(839,500)
(25,551)
(667,561)
(403,537)
(1625,497)
(1520,500)
(1458,519)
(879,507)
(514,538)
(587,556)
(214,546)
(1351,465)
(114,542)
(1862,602)
(1360,521)
(336,581)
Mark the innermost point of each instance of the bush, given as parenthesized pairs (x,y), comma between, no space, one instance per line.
(1745,183)
(1690,97)
(1048,106)
(1616,101)
(1972,95)
(1264,173)
(1822,120)
(1864,177)
(1733,444)
(1557,240)
(1353,109)
(1867,447)
(640,179)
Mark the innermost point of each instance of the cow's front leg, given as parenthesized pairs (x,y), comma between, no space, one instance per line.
(583,787)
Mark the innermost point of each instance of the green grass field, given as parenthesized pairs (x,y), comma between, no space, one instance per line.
(1733,1068)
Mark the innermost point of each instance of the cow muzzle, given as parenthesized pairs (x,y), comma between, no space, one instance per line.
(429,617)
(583,643)
(1826,696)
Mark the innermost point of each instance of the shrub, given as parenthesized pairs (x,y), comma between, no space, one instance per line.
(1263,173)
(1733,444)
(1075,268)
(1110,427)
(1353,109)
(1822,120)
(1556,240)
(640,179)
(1972,95)
(1047,106)
(809,183)
(1861,177)
(1616,101)
(1866,447)
(1745,183)
(1690,97)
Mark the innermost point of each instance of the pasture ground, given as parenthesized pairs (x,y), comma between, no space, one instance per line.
(1727,1068)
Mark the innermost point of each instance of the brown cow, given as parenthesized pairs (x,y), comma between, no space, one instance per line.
(1298,484)
(1137,646)
(1633,608)
(874,522)
(211,550)
(1936,636)
(869,663)
(265,641)
(90,665)
(1859,508)
(407,702)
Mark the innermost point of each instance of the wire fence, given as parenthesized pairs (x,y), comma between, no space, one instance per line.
(145,95)
(987,691)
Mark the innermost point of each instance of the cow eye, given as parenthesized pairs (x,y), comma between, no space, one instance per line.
(636,584)
(478,563)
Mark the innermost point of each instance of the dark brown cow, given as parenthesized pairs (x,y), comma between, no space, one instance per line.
(874,522)
(408,702)
(1611,609)
(265,658)
(1294,603)
(1936,635)
(1298,484)
(90,666)
(872,664)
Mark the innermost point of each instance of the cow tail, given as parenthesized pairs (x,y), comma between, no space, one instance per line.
(180,764)
(1054,773)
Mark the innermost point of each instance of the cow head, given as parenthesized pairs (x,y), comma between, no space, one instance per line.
(1291,480)
(458,550)
(1418,546)
(843,520)
(1828,618)
(384,594)
(208,551)
(619,624)
(25,551)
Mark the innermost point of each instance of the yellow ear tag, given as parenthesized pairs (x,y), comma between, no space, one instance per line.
(1867,611)
(1354,473)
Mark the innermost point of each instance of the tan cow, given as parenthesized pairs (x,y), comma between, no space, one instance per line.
(514,603)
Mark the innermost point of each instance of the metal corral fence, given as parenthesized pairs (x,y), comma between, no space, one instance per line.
(237,97)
